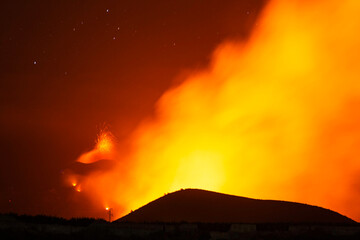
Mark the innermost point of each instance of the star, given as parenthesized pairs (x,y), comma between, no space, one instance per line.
(107,10)
(35,62)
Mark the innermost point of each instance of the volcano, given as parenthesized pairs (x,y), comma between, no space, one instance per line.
(194,205)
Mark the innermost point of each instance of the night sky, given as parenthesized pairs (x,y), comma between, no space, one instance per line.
(67,68)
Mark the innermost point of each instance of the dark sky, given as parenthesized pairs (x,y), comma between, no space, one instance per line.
(69,67)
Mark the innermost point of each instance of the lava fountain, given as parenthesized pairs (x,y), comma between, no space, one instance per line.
(275,117)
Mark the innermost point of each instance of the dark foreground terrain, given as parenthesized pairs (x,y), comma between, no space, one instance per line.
(42,227)
(193,214)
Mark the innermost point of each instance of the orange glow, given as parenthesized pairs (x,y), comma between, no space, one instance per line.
(107,209)
(104,142)
(78,189)
(74,184)
(276,117)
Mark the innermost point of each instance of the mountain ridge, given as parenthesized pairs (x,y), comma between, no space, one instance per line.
(196,205)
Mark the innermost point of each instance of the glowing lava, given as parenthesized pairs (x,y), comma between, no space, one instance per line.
(104,149)
(104,142)
(276,117)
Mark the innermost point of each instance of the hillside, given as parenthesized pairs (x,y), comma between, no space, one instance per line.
(193,205)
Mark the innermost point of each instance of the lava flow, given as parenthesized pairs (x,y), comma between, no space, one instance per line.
(275,117)
(104,149)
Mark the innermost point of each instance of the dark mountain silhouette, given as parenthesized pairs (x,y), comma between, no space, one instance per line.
(193,205)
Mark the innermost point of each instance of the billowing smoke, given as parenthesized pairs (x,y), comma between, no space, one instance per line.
(276,117)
